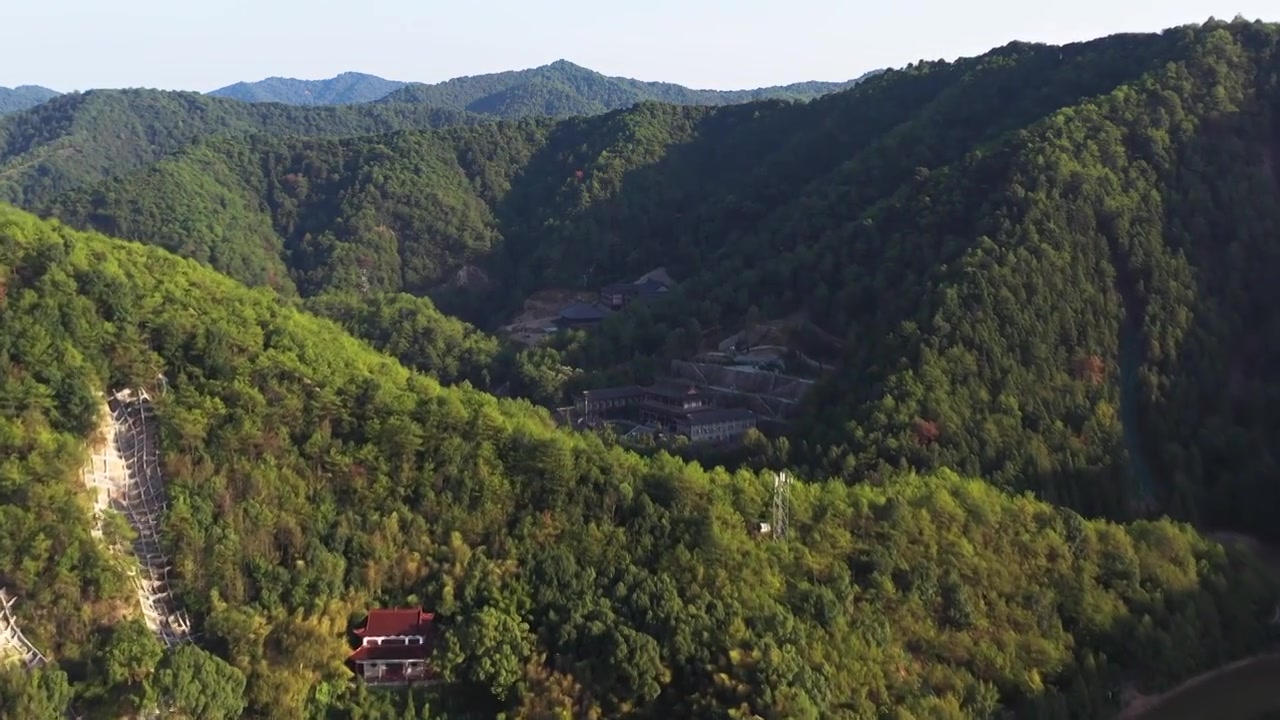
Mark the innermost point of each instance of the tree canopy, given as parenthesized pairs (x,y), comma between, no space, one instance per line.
(347,88)
(311,477)
(563,89)
(1038,266)
(79,138)
(23,97)
(1039,280)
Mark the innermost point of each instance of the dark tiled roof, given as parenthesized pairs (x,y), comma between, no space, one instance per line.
(613,392)
(582,311)
(673,389)
(651,286)
(719,415)
(659,274)
(648,286)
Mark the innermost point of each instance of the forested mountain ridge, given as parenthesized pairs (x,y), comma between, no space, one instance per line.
(563,89)
(1025,253)
(23,97)
(398,212)
(79,138)
(347,88)
(86,137)
(553,192)
(310,477)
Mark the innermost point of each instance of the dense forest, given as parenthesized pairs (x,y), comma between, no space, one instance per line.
(563,89)
(1045,266)
(311,477)
(79,138)
(23,97)
(413,331)
(347,88)
(1039,280)
(393,213)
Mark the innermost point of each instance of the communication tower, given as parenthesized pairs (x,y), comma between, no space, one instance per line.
(781,504)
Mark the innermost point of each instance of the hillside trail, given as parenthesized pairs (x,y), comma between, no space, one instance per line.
(1248,685)
(1130,397)
(124,476)
(13,644)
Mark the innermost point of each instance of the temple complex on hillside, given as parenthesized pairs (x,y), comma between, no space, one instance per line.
(679,408)
(395,647)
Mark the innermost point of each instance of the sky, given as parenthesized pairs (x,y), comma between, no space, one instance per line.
(723,44)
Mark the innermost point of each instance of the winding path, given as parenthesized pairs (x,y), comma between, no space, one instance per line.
(1235,691)
(1130,397)
(125,477)
(13,644)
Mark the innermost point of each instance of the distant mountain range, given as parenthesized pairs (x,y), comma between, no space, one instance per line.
(51,143)
(559,89)
(563,89)
(23,97)
(349,88)
(78,138)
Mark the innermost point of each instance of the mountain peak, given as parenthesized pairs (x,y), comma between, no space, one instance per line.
(23,97)
(347,88)
(563,88)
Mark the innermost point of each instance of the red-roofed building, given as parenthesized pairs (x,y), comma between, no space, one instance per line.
(395,646)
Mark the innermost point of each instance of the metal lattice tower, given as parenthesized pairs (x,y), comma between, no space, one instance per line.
(781,504)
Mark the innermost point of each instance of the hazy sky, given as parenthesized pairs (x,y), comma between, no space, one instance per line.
(194,45)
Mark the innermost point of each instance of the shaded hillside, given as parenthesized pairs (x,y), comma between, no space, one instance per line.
(23,97)
(398,212)
(310,477)
(348,88)
(1000,244)
(79,138)
(622,192)
(563,89)
(414,332)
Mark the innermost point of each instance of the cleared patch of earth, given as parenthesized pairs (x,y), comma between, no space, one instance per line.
(540,311)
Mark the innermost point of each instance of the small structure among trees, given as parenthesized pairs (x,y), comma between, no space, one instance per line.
(580,314)
(395,647)
(680,408)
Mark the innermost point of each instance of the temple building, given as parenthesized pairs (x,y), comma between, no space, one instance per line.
(580,315)
(395,647)
(620,295)
(673,407)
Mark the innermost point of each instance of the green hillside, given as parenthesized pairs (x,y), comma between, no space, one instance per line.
(310,477)
(562,89)
(79,138)
(417,334)
(23,97)
(404,211)
(1045,266)
(347,88)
